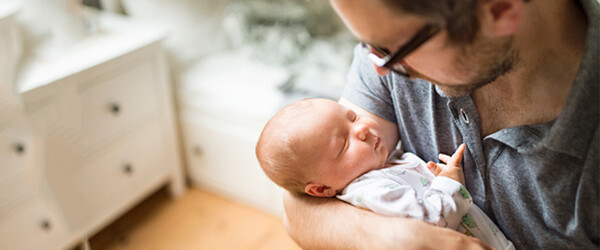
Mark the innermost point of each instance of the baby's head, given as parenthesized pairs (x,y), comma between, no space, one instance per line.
(317,146)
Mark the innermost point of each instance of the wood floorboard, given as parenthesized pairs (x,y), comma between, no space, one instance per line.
(199,220)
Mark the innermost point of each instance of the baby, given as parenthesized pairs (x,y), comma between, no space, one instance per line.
(321,148)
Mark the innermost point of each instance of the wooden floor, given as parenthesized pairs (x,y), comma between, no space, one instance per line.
(199,220)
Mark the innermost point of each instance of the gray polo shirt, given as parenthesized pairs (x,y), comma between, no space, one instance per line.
(539,183)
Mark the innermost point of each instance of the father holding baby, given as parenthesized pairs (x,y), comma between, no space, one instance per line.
(515,80)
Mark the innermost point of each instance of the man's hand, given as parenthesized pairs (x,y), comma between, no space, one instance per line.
(327,223)
(452,168)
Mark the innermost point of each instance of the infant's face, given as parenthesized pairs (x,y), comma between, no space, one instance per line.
(349,145)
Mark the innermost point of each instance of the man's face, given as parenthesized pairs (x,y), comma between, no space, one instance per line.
(456,69)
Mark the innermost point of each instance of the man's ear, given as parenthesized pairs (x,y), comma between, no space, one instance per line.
(319,190)
(501,17)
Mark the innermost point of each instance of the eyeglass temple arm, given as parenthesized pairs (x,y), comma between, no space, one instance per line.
(421,37)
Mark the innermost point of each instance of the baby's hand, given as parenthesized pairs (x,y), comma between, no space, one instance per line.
(452,168)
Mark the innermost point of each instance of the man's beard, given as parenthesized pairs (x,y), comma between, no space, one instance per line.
(481,62)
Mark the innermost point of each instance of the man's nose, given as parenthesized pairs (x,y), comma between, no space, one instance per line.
(381,70)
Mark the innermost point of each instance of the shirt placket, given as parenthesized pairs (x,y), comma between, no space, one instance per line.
(467,121)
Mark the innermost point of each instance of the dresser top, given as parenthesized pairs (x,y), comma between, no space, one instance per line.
(116,36)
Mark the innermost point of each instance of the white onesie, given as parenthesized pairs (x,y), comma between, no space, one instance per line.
(407,188)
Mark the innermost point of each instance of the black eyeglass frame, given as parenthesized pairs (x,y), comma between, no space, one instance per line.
(389,60)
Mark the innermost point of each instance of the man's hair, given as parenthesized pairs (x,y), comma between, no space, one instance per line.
(279,150)
(458,17)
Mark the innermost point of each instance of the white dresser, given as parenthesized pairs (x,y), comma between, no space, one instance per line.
(101,114)
(27,219)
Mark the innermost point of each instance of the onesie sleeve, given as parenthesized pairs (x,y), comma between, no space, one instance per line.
(443,203)
(450,198)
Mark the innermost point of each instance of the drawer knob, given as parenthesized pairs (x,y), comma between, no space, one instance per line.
(115,108)
(128,169)
(19,148)
(46,225)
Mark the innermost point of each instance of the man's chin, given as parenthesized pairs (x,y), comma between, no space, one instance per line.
(457,91)
(451,90)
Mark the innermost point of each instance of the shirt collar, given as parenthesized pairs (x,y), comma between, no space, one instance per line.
(575,127)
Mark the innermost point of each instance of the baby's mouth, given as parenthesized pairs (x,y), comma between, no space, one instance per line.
(377,143)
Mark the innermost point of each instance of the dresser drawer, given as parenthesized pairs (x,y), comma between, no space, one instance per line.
(220,156)
(15,151)
(9,104)
(33,227)
(122,174)
(120,101)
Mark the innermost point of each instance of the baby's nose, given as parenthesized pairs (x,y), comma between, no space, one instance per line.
(362,131)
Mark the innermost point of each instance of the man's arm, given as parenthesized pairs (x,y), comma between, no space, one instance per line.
(328,223)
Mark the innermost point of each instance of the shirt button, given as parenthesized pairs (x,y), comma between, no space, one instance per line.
(464,116)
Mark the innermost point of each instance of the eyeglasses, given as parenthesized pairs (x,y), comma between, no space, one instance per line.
(382,57)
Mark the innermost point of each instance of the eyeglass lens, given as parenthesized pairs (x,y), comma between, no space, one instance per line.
(381,54)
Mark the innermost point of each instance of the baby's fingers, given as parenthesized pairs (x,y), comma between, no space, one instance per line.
(458,155)
(456,158)
(434,168)
(445,158)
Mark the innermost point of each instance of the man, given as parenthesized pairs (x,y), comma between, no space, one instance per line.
(515,80)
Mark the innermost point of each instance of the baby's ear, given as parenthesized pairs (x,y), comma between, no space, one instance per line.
(319,190)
